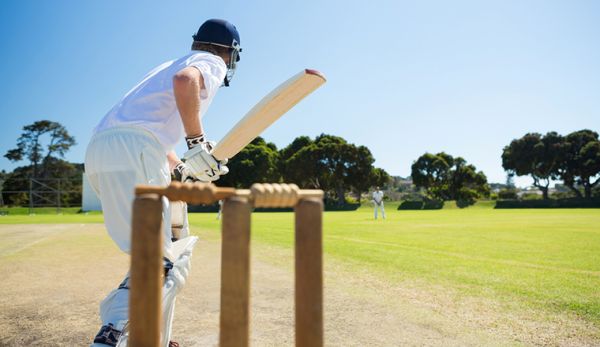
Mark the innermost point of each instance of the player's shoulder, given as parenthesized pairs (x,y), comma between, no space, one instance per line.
(204,57)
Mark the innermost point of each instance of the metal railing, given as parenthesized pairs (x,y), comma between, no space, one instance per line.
(41,192)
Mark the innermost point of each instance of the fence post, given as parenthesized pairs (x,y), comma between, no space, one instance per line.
(30,195)
(58,198)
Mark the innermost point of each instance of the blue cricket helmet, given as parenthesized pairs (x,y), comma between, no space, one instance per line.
(221,33)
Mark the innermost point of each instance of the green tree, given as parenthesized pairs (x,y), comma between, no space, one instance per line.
(298,163)
(59,175)
(432,172)
(333,157)
(299,143)
(379,177)
(29,145)
(581,162)
(3,176)
(256,163)
(448,178)
(467,183)
(329,163)
(361,173)
(538,156)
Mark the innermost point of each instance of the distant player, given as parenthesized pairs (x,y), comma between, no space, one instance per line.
(133,144)
(378,202)
(220,209)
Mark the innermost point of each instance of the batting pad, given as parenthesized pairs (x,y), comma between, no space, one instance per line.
(180,254)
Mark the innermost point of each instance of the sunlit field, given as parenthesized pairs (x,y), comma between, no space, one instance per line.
(543,259)
(546,260)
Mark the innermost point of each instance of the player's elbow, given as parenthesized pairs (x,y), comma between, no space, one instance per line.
(183,79)
(186,78)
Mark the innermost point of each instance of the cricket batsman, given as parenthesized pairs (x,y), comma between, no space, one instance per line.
(133,144)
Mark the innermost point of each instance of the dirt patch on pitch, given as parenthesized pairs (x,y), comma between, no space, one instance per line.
(55,276)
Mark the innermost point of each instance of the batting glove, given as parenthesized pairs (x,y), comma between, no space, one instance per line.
(201,164)
(181,173)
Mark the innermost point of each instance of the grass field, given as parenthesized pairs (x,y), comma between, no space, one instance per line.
(48,215)
(541,259)
(544,260)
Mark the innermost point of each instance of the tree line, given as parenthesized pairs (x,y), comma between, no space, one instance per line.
(336,166)
(574,159)
(326,162)
(46,166)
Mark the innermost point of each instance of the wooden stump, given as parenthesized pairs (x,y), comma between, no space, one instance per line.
(146,272)
(235,273)
(309,273)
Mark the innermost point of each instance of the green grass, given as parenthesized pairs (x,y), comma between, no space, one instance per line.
(540,259)
(544,259)
(48,215)
(39,210)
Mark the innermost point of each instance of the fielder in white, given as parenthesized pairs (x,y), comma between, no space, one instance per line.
(220,209)
(133,144)
(378,202)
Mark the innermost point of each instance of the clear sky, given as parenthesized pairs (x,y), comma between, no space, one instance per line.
(404,77)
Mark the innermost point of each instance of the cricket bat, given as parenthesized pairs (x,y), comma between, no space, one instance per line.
(267,111)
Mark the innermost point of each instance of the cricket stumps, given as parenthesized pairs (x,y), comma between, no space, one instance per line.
(146,267)
(146,271)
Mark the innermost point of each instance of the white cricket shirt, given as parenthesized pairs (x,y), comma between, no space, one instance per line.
(151,104)
(378,196)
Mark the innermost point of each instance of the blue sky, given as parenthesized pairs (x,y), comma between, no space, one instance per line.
(404,78)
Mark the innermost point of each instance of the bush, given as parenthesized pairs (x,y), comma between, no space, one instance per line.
(345,207)
(428,204)
(204,208)
(214,208)
(562,195)
(411,205)
(507,194)
(462,203)
(412,196)
(550,203)
(351,200)
(433,205)
(531,196)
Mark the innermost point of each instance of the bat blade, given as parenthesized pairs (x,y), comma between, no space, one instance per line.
(267,111)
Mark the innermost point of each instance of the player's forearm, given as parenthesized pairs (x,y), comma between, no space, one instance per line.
(187,84)
(173,160)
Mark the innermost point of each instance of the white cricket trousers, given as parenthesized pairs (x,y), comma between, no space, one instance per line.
(116,161)
(381,208)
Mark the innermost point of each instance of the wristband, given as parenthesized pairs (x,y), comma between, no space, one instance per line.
(193,141)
